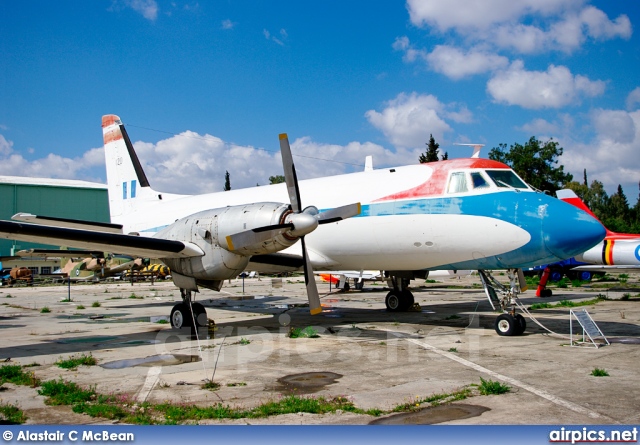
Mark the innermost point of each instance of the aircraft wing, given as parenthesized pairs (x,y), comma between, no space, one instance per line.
(139,246)
(603,268)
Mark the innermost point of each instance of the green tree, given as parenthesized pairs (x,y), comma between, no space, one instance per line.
(227,181)
(535,162)
(277,179)
(431,155)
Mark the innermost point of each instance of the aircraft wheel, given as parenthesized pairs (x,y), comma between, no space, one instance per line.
(200,314)
(359,284)
(546,293)
(180,316)
(506,325)
(522,324)
(393,302)
(556,275)
(407,299)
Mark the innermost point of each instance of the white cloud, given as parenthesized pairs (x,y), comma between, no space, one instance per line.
(633,99)
(554,88)
(523,26)
(51,166)
(456,64)
(614,126)
(613,156)
(227,24)
(5,146)
(540,128)
(280,41)
(148,8)
(408,119)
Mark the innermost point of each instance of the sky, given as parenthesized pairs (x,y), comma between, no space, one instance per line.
(205,87)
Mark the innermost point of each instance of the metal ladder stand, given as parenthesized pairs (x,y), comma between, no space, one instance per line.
(589,328)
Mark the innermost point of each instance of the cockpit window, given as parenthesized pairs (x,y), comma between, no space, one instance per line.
(506,178)
(478,181)
(457,183)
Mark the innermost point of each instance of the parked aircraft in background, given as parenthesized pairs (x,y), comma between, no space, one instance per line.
(340,278)
(458,214)
(617,252)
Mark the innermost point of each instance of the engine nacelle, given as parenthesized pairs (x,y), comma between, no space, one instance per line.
(209,229)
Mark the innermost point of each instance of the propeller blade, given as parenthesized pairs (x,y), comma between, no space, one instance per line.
(310,282)
(256,236)
(339,213)
(290,176)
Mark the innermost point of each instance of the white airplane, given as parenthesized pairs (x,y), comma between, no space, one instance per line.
(458,214)
(617,252)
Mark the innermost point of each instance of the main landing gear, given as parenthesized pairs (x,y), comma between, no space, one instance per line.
(400,298)
(183,314)
(503,299)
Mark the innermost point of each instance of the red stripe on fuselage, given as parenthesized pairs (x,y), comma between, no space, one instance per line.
(436,184)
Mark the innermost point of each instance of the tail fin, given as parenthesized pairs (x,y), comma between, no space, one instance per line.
(127,184)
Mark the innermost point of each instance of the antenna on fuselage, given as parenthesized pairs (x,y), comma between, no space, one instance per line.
(368,163)
(476,149)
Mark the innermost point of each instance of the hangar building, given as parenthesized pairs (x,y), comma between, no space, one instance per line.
(62,198)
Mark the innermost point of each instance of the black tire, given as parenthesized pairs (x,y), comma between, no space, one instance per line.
(359,284)
(180,316)
(407,300)
(200,314)
(393,302)
(506,326)
(546,293)
(522,324)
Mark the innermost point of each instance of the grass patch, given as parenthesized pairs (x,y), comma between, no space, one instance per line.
(540,306)
(453,349)
(244,341)
(435,399)
(597,372)
(45,310)
(307,332)
(210,385)
(162,321)
(11,414)
(569,303)
(488,387)
(237,384)
(16,375)
(133,296)
(80,306)
(74,361)
(96,304)
(62,392)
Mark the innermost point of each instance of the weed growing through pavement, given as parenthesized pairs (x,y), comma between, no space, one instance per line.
(45,310)
(96,304)
(597,372)
(488,387)
(11,414)
(74,361)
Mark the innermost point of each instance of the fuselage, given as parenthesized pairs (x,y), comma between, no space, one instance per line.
(458,214)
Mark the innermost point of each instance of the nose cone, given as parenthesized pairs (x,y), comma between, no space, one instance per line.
(567,230)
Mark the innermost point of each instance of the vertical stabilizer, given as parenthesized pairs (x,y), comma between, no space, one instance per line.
(127,184)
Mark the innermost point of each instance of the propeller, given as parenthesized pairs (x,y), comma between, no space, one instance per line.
(298,223)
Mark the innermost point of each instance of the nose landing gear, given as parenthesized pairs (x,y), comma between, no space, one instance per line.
(503,299)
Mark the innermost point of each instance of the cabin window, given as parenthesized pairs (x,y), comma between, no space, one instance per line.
(506,178)
(478,181)
(457,183)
